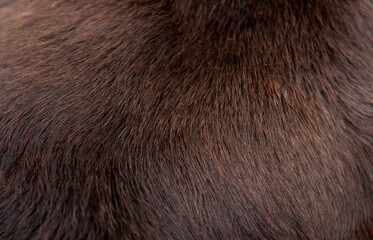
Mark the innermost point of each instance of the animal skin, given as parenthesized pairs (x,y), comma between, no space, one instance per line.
(186,119)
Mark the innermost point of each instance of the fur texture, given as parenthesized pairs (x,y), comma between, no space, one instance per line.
(186,119)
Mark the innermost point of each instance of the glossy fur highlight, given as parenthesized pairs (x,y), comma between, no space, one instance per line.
(186,119)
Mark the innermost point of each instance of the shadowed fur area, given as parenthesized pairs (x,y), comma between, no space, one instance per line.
(186,119)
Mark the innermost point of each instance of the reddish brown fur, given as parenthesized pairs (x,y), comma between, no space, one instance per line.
(186,119)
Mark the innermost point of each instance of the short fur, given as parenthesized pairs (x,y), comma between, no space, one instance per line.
(186,119)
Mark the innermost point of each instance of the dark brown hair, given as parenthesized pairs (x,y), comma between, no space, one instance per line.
(186,119)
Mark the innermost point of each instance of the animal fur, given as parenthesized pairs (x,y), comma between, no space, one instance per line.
(186,119)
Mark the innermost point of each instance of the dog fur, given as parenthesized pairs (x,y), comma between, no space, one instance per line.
(186,119)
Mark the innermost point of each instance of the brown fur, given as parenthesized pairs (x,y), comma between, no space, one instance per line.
(186,119)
